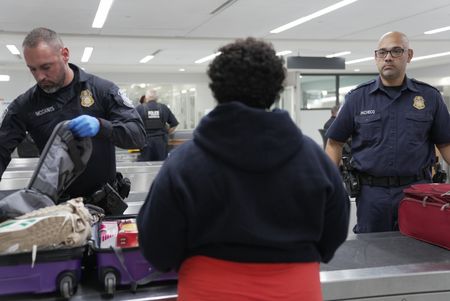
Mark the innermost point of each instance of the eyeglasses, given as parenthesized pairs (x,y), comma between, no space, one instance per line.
(395,52)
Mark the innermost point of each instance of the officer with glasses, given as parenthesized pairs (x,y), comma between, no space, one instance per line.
(394,122)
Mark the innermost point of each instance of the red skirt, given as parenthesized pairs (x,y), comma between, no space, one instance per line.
(203,278)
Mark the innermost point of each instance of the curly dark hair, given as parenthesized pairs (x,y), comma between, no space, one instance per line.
(247,71)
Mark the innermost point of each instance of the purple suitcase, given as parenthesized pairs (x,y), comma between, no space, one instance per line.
(125,266)
(53,271)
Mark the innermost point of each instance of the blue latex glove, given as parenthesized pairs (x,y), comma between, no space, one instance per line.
(84,126)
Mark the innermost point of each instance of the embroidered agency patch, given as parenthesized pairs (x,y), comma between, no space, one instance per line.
(3,116)
(125,98)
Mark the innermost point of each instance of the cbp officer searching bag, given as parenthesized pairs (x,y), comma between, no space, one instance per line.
(63,159)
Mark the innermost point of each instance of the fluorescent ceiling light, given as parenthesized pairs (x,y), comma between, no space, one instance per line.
(207,58)
(437,30)
(338,54)
(284,52)
(181,69)
(102,13)
(146,59)
(13,49)
(87,54)
(431,56)
(4,78)
(317,14)
(357,70)
(359,60)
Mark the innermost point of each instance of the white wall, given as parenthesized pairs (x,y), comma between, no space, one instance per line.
(20,81)
(310,121)
(205,101)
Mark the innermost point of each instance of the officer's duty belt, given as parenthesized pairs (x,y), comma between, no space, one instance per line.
(390,181)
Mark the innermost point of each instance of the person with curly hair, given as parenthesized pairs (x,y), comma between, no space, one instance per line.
(249,208)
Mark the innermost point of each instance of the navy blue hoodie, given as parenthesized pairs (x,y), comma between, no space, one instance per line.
(250,187)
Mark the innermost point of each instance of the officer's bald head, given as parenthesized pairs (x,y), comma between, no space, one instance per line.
(41,34)
(395,36)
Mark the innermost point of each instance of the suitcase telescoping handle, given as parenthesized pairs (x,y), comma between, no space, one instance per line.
(134,283)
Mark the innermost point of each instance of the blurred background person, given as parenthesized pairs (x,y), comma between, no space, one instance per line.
(334,111)
(159,122)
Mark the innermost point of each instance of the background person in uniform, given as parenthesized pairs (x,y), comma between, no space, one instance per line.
(394,122)
(159,122)
(142,99)
(249,207)
(63,91)
(334,111)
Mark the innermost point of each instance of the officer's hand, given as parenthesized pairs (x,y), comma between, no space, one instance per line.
(84,126)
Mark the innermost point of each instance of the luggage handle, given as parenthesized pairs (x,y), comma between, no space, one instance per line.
(119,255)
(147,279)
(433,198)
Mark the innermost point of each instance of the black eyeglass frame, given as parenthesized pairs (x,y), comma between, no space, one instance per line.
(385,52)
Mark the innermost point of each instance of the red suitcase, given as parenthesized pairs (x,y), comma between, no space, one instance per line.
(424,213)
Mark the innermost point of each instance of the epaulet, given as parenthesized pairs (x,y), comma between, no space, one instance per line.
(362,85)
(424,84)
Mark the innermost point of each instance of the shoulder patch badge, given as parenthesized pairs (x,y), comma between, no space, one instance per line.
(125,98)
(86,98)
(419,102)
(3,116)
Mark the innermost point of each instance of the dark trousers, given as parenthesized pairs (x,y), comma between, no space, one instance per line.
(155,149)
(377,208)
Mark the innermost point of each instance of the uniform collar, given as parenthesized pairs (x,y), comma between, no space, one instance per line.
(407,84)
(82,76)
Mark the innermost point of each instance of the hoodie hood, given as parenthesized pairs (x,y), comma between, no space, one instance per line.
(247,138)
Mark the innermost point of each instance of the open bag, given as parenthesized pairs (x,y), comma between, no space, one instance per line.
(63,159)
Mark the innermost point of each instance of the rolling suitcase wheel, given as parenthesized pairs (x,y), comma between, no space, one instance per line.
(110,282)
(67,285)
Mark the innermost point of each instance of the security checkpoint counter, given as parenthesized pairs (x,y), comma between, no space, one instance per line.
(377,267)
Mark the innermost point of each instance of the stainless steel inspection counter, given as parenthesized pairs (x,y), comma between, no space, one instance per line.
(376,267)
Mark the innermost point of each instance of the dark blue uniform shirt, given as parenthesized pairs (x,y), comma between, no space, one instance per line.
(393,132)
(155,117)
(38,113)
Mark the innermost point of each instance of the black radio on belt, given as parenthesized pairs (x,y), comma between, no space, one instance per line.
(350,177)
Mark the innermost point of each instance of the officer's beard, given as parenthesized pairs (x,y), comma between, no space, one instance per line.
(52,87)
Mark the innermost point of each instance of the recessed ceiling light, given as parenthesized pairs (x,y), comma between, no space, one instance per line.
(87,54)
(284,52)
(13,49)
(102,13)
(4,78)
(146,59)
(437,30)
(207,58)
(359,60)
(181,70)
(431,56)
(338,54)
(317,14)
